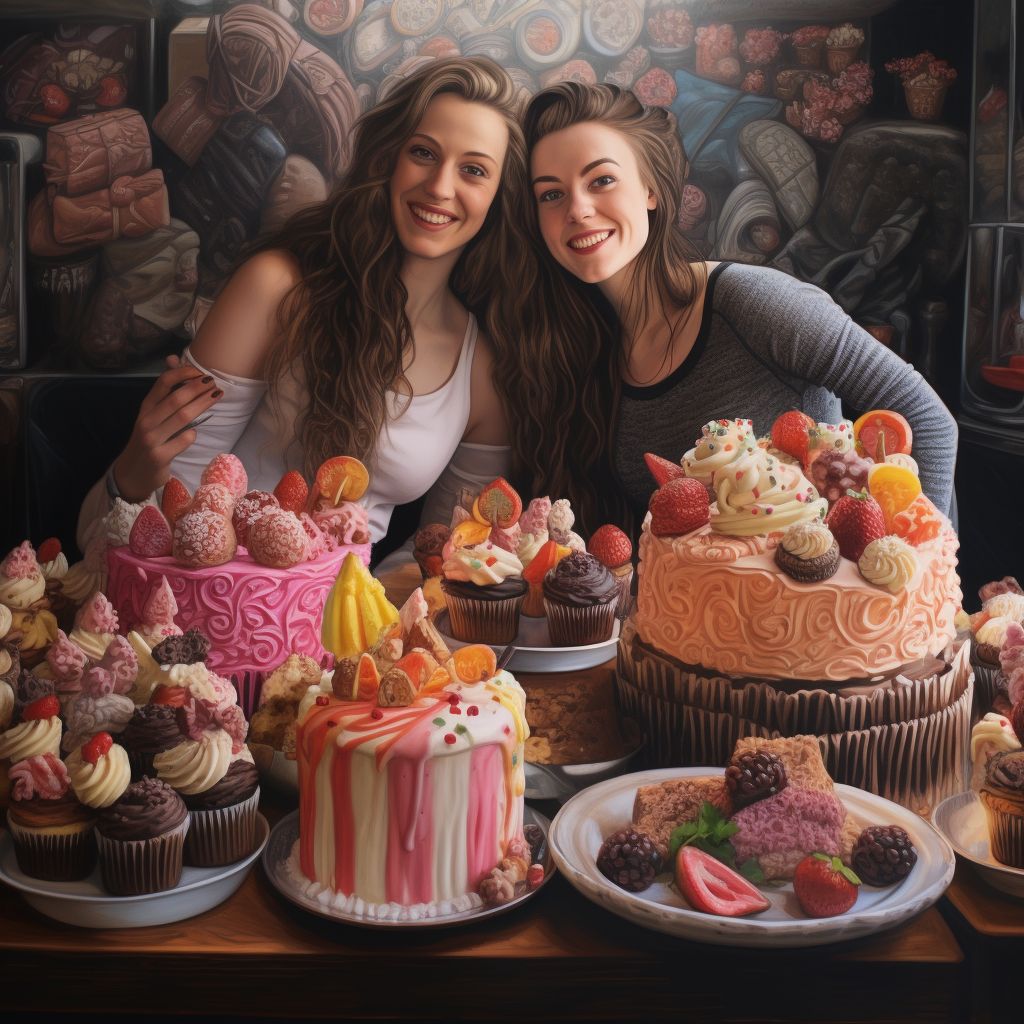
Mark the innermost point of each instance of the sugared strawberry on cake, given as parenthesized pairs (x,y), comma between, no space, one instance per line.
(252,570)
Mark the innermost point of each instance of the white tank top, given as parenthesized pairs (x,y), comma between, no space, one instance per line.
(419,438)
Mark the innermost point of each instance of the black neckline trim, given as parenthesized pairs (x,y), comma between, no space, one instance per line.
(643,393)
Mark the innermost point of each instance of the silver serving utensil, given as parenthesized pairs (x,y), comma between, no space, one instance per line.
(506,656)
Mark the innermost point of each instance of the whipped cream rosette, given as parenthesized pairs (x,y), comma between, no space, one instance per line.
(756,494)
(95,626)
(722,441)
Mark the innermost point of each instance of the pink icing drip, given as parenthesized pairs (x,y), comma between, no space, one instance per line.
(21,563)
(483,850)
(97,615)
(409,870)
(159,610)
(41,775)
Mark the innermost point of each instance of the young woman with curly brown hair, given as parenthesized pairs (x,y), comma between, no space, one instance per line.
(352,329)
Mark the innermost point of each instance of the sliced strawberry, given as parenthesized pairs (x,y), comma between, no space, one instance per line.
(855,520)
(175,499)
(662,469)
(680,506)
(48,550)
(824,885)
(291,491)
(713,887)
(150,536)
(610,546)
(45,707)
(791,433)
(97,747)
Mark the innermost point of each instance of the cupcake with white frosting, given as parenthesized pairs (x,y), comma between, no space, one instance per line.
(484,590)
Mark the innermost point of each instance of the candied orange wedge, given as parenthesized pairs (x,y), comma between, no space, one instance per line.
(475,663)
(894,488)
(547,557)
(468,533)
(882,432)
(342,478)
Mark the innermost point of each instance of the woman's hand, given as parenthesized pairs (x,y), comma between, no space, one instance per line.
(163,429)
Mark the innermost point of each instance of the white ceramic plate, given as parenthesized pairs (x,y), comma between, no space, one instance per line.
(88,905)
(534,652)
(286,834)
(961,819)
(582,824)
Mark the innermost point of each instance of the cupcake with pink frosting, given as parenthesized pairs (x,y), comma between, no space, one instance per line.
(95,626)
(23,593)
(51,829)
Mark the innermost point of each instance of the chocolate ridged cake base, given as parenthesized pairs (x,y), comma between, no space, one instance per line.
(906,738)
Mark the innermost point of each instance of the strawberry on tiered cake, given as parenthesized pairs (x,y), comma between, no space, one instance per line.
(250,569)
(801,583)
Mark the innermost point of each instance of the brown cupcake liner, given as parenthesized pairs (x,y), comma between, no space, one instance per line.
(54,857)
(484,622)
(1005,830)
(988,681)
(623,580)
(222,836)
(574,626)
(916,763)
(136,867)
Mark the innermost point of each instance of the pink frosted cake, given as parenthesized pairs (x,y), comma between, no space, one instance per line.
(255,615)
(411,806)
(771,605)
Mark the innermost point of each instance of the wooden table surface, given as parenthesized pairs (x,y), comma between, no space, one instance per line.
(556,957)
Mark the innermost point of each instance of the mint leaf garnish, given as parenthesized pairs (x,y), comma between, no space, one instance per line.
(750,870)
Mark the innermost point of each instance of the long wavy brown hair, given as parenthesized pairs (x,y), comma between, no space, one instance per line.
(581,326)
(344,323)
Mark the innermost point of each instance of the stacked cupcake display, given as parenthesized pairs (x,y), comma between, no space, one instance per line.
(128,752)
(497,562)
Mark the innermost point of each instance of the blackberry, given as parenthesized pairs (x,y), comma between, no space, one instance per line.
(754,776)
(629,859)
(883,855)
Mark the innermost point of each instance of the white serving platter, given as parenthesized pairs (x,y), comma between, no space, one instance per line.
(962,820)
(88,905)
(583,823)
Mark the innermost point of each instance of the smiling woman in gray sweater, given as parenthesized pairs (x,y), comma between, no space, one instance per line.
(681,342)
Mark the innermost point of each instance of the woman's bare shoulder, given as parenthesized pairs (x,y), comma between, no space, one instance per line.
(244,322)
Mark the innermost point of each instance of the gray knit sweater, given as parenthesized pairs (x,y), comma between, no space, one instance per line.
(769,343)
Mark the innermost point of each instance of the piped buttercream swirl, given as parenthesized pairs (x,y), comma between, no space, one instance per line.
(808,540)
(100,784)
(482,564)
(195,765)
(888,562)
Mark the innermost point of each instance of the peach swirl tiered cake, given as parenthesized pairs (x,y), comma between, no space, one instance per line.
(798,585)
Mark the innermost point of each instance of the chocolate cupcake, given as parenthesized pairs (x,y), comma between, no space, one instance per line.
(484,590)
(141,839)
(1002,796)
(223,817)
(807,552)
(213,771)
(580,597)
(51,829)
(153,728)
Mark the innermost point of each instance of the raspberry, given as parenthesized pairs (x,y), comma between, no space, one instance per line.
(203,538)
(48,550)
(610,546)
(45,707)
(292,491)
(175,499)
(278,539)
(228,470)
(215,497)
(247,510)
(151,534)
(97,747)
(629,859)
(883,855)
(679,507)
